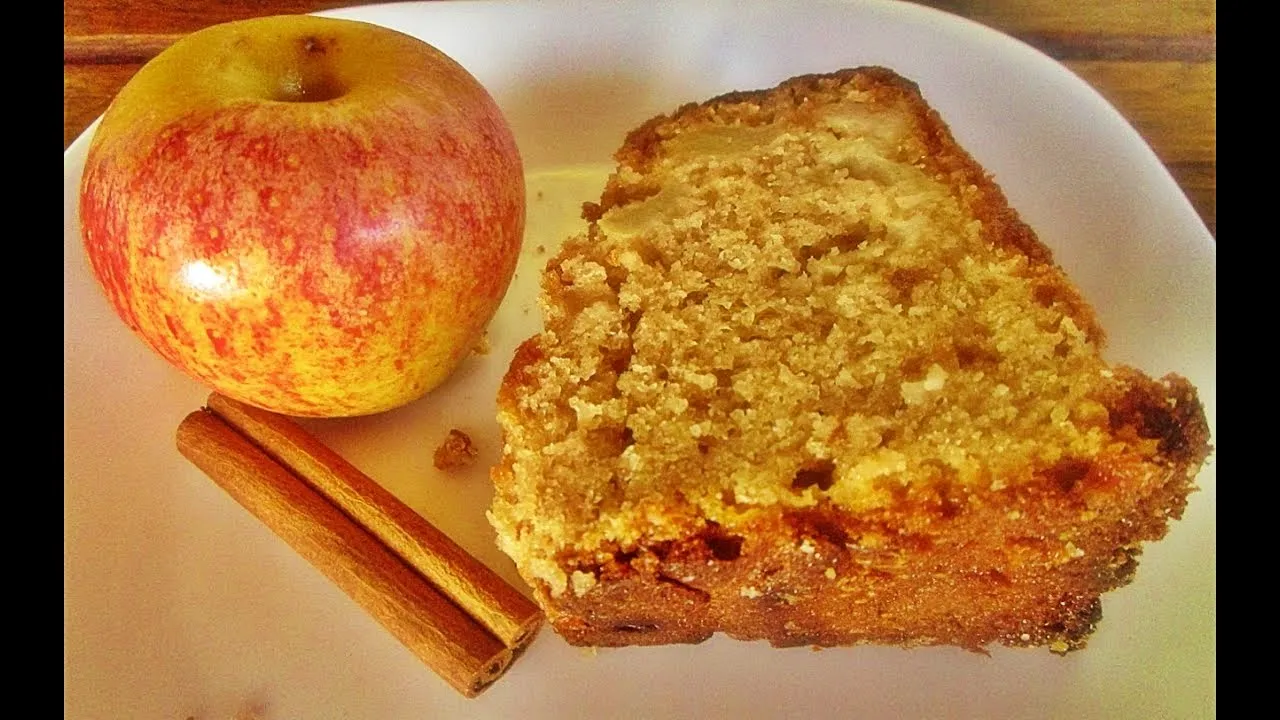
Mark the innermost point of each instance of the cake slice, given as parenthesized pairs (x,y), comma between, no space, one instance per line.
(807,378)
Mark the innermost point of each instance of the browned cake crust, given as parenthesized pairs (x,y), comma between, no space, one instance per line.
(954,549)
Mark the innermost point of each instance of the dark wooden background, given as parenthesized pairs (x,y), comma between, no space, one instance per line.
(1155,60)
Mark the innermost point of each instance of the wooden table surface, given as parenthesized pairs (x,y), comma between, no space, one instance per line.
(1155,60)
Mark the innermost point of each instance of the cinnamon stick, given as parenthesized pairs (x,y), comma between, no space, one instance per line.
(448,640)
(484,595)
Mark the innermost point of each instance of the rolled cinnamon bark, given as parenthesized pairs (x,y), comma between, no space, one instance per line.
(461,650)
(483,594)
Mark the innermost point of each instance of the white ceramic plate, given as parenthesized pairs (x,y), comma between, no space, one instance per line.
(179,604)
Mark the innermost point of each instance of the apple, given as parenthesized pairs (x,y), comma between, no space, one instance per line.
(318,217)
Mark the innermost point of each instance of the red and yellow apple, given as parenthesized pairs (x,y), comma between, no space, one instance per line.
(314,216)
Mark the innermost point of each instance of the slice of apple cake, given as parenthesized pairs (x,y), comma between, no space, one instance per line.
(807,378)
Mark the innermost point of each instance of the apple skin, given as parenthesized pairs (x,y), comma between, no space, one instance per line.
(314,216)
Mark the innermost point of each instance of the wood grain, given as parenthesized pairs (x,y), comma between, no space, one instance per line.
(1155,60)
(87,90)
(1102,17)
(114,48)
(148,17)
(1173,105)
(1199,180)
